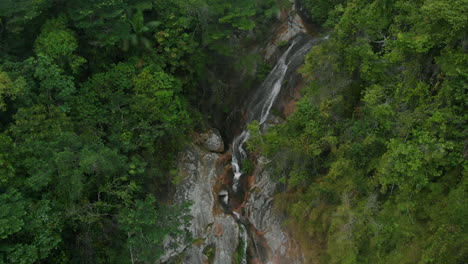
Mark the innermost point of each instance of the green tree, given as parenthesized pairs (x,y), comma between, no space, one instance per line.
(147,227)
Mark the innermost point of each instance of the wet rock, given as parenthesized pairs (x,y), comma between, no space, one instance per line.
(223,196)
(225,235)
(261,215)
(213,141)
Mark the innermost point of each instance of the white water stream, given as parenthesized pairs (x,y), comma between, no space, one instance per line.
(260,106)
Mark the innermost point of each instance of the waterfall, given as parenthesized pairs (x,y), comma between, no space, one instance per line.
(259,107)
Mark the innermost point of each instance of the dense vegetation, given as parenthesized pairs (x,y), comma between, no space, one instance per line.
(375,156)
(96,98)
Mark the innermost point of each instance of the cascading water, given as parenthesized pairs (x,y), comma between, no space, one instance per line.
(247,230)
(260,106)
(258,109)
(244,237)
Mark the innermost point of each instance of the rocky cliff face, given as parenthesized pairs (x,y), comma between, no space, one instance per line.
(219,237)
(235,226)
(278,246)
(215,234)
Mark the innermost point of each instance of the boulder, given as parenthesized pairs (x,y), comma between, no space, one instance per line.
(291,26)
(213,141)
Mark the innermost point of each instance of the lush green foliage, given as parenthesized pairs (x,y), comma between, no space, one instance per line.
(320,10)
(97,97)
(95,102)
(375,156)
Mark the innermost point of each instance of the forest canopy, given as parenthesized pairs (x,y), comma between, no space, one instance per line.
(97,98)
(375,156)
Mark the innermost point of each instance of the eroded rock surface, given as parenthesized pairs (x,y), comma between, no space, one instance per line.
(215,234)
(259,207)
